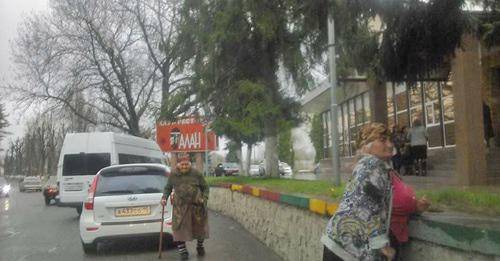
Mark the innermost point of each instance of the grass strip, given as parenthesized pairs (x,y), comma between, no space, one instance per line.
(484,200)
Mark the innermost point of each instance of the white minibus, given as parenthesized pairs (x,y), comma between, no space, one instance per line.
(84,154)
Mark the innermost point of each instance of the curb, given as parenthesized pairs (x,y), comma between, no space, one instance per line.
(316,206)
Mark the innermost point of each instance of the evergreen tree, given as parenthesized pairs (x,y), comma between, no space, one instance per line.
(241,44)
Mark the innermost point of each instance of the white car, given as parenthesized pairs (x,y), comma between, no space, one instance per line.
(33,183)
(124,201)
(285,169)
(254,170)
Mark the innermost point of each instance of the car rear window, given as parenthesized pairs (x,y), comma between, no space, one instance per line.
(85,164)
(131,159)
(131,182)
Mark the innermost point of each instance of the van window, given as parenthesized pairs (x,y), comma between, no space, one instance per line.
(130,159)
(144,182)
(85,164)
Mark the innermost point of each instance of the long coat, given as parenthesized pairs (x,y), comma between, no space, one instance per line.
(190,216)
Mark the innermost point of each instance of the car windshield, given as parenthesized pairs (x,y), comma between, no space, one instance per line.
(122,183)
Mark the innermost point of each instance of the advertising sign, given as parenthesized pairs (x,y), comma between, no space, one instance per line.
(184,135)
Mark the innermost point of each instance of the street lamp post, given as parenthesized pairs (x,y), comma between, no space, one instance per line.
(205,128)
(333,81)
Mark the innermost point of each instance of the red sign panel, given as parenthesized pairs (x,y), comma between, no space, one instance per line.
(185,135)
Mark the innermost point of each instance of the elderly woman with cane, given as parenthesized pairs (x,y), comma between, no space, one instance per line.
(190,216)
(359,230)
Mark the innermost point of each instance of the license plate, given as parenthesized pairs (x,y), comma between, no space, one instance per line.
(132,212)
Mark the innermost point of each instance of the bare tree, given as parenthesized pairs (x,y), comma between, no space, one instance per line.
(158,22)
(102,52)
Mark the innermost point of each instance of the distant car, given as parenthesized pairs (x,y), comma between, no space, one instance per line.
(230,168)
(4,187)
(124,201)
(50,190)
(30,184)
(285,169)
(254,170)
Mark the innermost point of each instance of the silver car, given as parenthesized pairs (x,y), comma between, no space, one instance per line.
(30,184)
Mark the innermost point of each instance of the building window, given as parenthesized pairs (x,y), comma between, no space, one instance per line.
(326,133)
(390,104)
(433,113)
(401,100)
(416,103)
(345,123)
(449,113)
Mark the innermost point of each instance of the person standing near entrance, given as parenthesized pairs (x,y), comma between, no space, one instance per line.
(488,125)
(418,141)
(190,215)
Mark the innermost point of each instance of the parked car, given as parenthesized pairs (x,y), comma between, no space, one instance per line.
(254,170)
(230,168)
(30,184)
(124,201)
(50,190)
(285,169)
(4,187)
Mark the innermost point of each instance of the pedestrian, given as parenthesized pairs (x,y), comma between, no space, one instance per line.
(404,204)
(487,124)
(190,215)
(219,170)
(396,140)
(418,141)
(359,230)
(405,151)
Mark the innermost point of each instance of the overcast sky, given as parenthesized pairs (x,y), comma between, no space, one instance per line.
(11,14)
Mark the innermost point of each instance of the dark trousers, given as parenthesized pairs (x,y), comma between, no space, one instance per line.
(329,255)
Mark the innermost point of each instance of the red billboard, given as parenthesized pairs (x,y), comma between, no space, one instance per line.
(184,135)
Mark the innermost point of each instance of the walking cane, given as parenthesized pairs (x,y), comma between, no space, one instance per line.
(161,231)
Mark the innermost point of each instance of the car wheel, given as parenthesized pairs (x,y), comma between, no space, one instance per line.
(79,210)
(89,248)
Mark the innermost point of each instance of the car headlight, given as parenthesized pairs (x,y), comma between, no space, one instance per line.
(6,189)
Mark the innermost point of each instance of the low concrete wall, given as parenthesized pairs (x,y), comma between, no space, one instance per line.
(292,229)
(291,232)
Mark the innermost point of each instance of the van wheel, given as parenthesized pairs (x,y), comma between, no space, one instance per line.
(89,248)
(79,210)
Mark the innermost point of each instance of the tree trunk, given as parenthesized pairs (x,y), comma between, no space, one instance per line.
(271,156)
(240,159)
(271,159)
(249,158)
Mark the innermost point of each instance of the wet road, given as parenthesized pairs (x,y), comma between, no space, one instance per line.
(29,230)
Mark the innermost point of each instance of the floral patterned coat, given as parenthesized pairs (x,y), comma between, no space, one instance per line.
(359,228)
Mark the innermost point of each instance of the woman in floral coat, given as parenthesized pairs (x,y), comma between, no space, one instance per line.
(359,230)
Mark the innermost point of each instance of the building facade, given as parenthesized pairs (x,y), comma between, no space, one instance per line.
(451,108)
